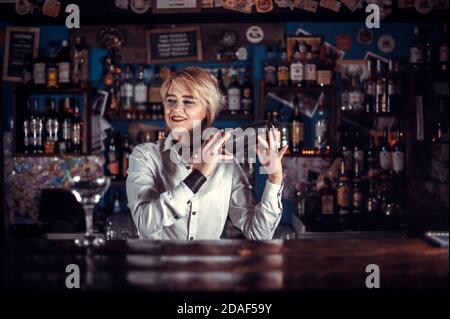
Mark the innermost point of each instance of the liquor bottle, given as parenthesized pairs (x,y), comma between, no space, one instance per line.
(247,94)
(380,90)
(119,224)
(310,70)
(443,54)
(126,151)
(36,128)
(27,70)
(52,69)
(324,68)
(398,154)
(297,128)
(154,95)
(441,126)
(126,93)
(385,152)
(369,98)
(222,87)
(270,68)
(343,195)
(372,159)
(284,129)
(140,93)
(112,160)
(385,198)
(80,62)
(312,201)
(347,152)
(148,137)
(416,57)
(234,94)
(358,153)
(26,129)
(345,96)
(65,144)
(428,54)
(327,203)
(372,204)
(108,76)
(283,69)
(355,97)
(393,88)
(77,129)
(64,64)
(113,103)
(51,127)
(357,193)
(297,69)
(40,70)
(321,128)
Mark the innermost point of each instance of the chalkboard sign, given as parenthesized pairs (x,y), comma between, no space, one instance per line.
(174,45)
(21,45)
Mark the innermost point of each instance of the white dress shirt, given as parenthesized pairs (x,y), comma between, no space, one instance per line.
(163,207)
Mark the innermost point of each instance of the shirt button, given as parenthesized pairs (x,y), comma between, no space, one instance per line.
(193,213)
(188,202)
(188,167)
(191,238)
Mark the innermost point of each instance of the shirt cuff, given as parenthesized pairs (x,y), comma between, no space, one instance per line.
(195,180)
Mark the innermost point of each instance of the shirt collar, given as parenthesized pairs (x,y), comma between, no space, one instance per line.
(168,142)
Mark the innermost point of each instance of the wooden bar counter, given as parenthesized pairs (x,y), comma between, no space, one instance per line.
(226,265)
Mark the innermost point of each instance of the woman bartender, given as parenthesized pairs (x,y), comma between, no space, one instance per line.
(191,199)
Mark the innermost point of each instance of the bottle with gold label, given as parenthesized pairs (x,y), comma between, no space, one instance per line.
(343,195)
(297,128)
(52,69)
(51,128)
(283,69)
(328,212)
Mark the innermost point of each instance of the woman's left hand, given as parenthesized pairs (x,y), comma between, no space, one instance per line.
(270,157)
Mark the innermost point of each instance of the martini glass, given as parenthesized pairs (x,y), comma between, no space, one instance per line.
(88,191)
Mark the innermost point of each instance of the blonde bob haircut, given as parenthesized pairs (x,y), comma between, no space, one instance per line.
(204,87)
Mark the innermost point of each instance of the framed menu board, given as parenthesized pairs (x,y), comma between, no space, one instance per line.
(174,45)
(21,45)
(175,6)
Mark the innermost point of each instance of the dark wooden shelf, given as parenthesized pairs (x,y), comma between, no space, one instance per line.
(43,90)
(124,119)
(309,155)
(50,155)
(237,117)
(298,89)
(351,115)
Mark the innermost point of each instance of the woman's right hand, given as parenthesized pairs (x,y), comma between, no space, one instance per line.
(205,160)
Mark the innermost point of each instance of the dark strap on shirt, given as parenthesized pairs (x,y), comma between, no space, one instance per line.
(195,180)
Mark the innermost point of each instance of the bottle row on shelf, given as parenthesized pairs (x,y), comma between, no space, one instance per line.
(135,94)
(378,92)
(365,193)
(119,148)
(54,130)
(293,133)
(60,66)
(350,202)
(306,65)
